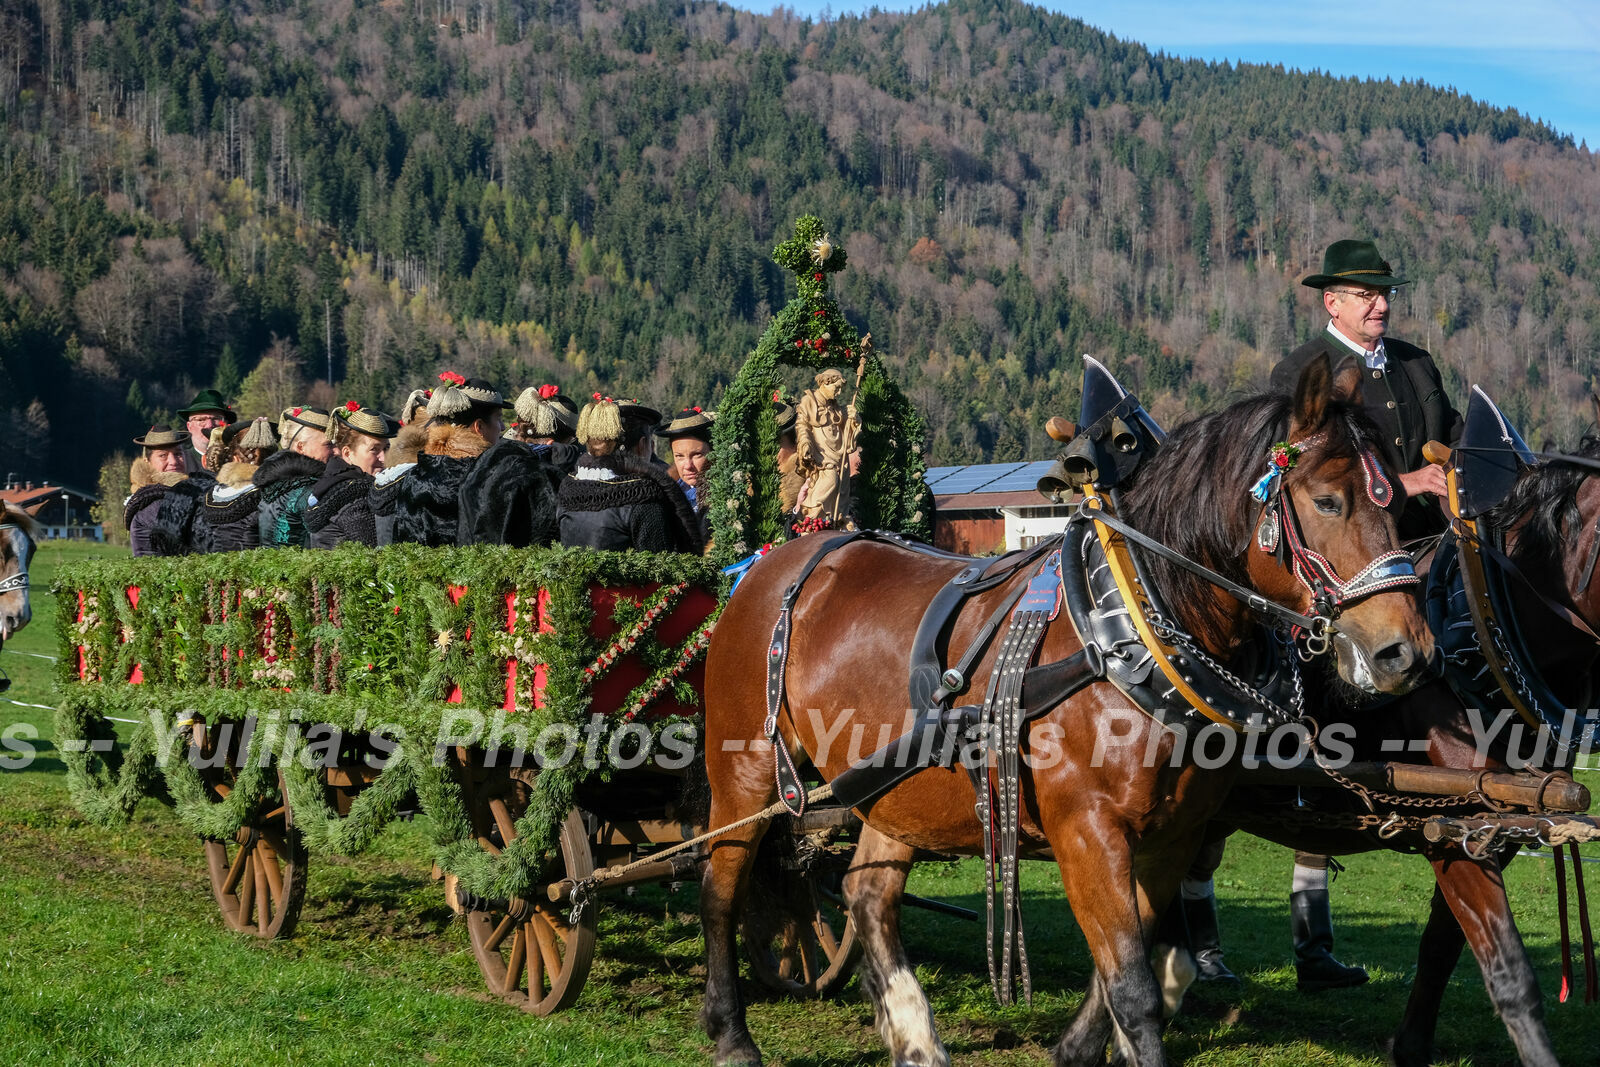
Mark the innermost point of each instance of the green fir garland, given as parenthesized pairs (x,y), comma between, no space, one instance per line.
(810,332)
(358,639)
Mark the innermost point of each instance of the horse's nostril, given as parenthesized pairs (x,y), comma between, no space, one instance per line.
(1395,658)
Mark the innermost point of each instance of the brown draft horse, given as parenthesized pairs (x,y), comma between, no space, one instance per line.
(1121,828)
(1551,521)
(18,535)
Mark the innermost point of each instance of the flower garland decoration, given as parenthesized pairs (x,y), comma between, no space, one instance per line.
(666,598)
(200,633)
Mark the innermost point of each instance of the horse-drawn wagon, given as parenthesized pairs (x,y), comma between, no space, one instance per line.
(541,706)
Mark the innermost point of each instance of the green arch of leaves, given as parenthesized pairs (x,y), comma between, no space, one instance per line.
(811,333)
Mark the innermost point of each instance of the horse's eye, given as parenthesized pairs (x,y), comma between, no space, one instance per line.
(1327,505)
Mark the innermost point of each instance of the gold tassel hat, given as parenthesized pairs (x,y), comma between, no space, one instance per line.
(600,420)
(545,411)
(459,395)
(258,433)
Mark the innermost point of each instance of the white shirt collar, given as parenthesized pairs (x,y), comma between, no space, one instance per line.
(1375,359)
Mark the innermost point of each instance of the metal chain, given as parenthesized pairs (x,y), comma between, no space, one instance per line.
(1170,633)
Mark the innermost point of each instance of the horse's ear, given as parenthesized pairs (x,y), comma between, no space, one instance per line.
(1311,396)
(1347,381)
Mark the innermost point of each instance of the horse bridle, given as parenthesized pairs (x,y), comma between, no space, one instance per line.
(1330,594)
(19,580)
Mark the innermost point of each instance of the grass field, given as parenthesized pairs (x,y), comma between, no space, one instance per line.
(115,954)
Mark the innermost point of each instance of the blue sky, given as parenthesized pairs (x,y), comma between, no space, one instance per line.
(1541,57)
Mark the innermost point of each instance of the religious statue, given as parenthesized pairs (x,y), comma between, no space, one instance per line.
(825,440)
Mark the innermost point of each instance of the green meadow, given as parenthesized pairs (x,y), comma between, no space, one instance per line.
(115,954)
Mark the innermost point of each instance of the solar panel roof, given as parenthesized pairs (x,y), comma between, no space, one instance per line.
(1024,478)
(983,477)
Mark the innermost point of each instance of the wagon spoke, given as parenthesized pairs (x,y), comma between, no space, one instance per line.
(500,932)
(236,868)
(542,973)
(548,951)
(263,895)
(519,953)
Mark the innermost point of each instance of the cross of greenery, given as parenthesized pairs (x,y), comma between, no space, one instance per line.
(812,255)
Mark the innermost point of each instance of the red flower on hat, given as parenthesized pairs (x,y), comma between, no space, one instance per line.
(548,391)
(295,411)
(817,277)
(351,406)
(597,396)
(452,377)
(777,396)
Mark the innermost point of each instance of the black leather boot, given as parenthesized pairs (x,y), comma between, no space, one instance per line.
(1315,967)
(1204,942)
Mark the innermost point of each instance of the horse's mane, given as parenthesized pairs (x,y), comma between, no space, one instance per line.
(1193,495)
(30,525)
(1544,501)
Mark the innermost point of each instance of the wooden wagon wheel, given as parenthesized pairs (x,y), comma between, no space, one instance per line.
(529,951)
(259,877)
(797,932)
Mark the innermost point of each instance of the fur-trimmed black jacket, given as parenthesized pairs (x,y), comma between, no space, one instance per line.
(508,497)
(618,502)
(285,480)
(339,510)
(142,509)
(225,520)
(427,506)
(383,496)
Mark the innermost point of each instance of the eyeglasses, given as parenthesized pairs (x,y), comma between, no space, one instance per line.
(1369,297)
(213,419)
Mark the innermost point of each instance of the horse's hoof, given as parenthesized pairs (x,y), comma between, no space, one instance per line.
(1406,1054)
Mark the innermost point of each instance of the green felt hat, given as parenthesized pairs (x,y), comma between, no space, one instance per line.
(1353,263)
(209,400)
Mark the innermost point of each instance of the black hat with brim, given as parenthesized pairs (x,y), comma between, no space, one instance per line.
(785,416)
(1353,263)
(637,412)
(209,400)
(162,436)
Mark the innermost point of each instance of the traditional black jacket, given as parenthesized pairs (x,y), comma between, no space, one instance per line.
(226,520)
(340,510)
(285,480)
(1407,401)
(427,506)
(508,497)
(618,502)
(383,496)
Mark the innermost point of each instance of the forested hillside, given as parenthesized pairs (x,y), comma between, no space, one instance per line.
(267,195)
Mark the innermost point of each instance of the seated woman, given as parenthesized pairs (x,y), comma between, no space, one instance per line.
(463,417)
(546,422)
(152,477)
(407,444)
(226,520)
(285,478)
(689,437)
(338,511)
(617,498)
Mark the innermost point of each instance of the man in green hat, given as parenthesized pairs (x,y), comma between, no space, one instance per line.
(205,412)
(1402,391)
(1400,386)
